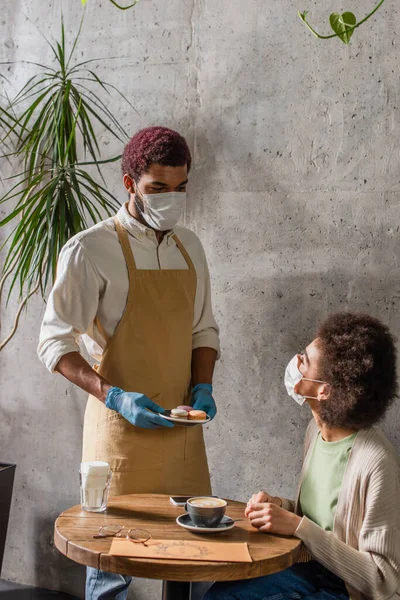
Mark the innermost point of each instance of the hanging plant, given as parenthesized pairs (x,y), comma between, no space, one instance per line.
(56,197)
(117,5)
(342,24)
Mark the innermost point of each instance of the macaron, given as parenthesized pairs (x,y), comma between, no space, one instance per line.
(197,415)
(185,407)
(178,413)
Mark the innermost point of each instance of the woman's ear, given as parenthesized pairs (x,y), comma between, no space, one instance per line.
(324,392)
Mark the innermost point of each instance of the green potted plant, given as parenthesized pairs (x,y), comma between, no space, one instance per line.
(54,138)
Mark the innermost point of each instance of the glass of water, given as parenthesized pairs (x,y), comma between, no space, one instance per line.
(95,480)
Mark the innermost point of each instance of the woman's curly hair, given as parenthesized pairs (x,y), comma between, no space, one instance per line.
(358,359)
(154,145)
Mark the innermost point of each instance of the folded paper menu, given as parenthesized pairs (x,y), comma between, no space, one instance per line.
(183,550)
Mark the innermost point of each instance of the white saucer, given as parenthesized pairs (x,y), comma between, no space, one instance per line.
(186,423)
(186,522)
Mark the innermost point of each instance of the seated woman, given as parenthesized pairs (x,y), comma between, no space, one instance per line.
(347,511)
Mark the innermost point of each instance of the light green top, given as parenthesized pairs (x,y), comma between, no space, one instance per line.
(322,482)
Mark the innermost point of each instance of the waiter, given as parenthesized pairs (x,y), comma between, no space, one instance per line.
(137,289)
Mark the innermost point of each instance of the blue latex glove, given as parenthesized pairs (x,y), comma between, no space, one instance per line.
(133,407)
(202,399)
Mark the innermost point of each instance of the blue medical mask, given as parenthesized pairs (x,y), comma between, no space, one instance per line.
(293,377)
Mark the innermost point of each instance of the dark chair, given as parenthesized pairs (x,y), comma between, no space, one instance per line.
(7,473)
(8,589)
(17,591)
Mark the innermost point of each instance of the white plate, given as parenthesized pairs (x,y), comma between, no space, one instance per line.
(184,422)
(185,521)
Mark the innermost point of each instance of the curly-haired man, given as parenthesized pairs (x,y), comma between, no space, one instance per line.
(347,511)
(137,288)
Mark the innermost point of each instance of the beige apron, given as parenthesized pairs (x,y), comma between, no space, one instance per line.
(150,352)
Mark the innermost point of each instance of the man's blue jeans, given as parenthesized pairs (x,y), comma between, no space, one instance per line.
(101,585)
(303,581)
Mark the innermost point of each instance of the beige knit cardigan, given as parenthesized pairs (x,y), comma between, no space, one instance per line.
(364,547)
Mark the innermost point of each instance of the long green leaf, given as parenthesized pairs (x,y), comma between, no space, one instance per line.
(100,162)
(77,66)
(75,42)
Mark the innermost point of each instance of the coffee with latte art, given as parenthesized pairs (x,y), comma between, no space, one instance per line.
(207,502)
(206,511)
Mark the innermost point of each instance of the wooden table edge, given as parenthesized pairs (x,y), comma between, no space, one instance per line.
(193,571)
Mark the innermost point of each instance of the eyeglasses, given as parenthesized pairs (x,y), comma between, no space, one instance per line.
(137,536)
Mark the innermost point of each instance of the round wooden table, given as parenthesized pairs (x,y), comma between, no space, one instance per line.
(75,528)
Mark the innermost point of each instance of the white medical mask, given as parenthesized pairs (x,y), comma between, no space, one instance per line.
(293,377)
(162,211)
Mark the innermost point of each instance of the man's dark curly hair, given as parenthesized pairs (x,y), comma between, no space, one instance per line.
(358,359)
(158,145)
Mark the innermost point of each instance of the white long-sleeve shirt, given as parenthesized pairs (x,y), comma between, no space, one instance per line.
(92,284)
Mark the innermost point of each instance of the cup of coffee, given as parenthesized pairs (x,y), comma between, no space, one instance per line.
(206,511)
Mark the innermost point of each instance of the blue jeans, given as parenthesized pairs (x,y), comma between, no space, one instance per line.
(101,585)
(303,581)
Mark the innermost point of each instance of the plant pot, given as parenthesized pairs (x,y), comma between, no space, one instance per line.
(7,473)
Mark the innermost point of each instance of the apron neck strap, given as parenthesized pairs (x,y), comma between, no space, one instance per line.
(125,245)
(127,250)
(184,252)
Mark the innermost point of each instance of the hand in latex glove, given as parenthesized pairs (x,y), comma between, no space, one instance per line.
(202,399)
(133,407)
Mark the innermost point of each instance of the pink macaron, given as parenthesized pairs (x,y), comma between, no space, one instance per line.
(185,407)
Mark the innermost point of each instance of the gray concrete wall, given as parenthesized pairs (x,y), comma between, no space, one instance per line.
(294,192)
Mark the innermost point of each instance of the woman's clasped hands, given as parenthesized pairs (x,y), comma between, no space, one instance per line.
(266,514)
